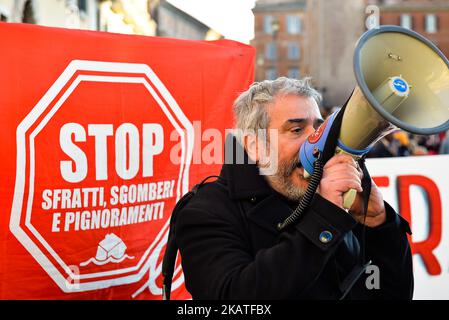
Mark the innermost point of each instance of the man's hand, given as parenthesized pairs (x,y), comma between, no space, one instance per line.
(376,214)
(342,173)
(339,175)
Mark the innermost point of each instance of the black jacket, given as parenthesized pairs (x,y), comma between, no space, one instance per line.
(230,247)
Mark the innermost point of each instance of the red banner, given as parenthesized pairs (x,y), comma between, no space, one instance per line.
(100,135)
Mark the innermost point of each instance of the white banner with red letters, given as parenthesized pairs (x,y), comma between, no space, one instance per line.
(418,188)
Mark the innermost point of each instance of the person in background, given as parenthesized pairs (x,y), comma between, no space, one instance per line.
(444,147)
(433,144)
(385,148)
(402,143)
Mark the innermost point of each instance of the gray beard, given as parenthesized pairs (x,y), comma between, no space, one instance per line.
(282,181)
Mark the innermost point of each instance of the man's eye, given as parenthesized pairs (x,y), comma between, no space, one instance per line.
(297,130)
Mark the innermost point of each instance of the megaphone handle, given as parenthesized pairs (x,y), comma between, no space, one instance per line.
(349,198)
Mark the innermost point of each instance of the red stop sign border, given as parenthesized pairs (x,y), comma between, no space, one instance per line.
(98,71)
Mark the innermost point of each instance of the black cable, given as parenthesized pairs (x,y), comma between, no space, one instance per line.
(307,198)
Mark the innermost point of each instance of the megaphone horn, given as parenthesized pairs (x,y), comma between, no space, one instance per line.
(402,83)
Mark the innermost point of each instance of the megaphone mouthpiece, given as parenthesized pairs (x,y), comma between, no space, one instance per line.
(392,92)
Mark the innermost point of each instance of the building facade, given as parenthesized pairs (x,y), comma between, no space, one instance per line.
(175,23)
(297,38)
(280,39)
(80,14)
(142,17)
(316,38)
(126,16)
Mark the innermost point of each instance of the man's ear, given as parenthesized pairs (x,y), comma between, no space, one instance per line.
(250,144)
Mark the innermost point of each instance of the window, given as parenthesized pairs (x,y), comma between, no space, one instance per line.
(293,50)
(406,21)
(271,51)
(431,23)
(82,5)
(268,24)
(293,72)
(28,15)
(271,73)
(293,24)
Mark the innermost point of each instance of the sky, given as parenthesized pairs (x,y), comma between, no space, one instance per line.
(232,18)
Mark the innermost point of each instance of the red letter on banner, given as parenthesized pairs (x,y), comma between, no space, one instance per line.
(381,181)
(424,248)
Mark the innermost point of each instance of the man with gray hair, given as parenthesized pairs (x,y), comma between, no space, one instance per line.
(227,235)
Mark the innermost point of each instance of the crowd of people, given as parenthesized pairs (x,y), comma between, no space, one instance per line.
(401,143)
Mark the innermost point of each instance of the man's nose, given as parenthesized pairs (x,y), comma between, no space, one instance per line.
(309,130)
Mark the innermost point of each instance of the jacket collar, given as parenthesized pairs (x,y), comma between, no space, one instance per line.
(243,180)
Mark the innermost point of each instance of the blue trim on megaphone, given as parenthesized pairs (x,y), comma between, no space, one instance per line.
(352,151)
(306,152)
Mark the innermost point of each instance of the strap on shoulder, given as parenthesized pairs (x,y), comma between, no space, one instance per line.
(171,251)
